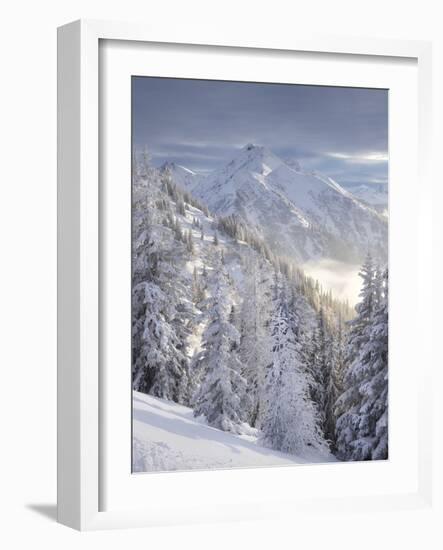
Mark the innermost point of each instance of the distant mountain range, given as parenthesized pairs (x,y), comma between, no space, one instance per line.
(374,194)
(303,215)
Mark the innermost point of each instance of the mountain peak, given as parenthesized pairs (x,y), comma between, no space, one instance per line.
(301,214)
(255,149)
(255,158)
(251,147)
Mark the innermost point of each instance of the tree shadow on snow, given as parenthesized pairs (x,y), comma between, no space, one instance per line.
(193,430)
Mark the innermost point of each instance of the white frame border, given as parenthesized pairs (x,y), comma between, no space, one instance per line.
(78,255)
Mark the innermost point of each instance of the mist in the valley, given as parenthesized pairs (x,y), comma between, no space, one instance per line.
(339,277)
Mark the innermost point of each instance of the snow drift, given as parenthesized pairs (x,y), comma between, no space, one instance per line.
(167,437)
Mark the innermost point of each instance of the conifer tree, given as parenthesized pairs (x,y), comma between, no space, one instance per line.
(362,409)
(335,383)
(159,311)
(320,367)
(290,422)
(255,344)
(160,365)
(220,396)
(189,242)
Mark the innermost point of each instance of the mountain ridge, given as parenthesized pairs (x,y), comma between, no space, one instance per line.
(303,214)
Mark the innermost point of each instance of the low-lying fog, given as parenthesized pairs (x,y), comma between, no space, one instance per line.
(340,277)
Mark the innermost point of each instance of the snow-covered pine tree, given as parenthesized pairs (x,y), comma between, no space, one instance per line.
(335,383)
(198,287)
(189,242)
(339,353)
(364,309)
(221,393)
(144,164)
(320,368)
(375,359)
(331,388)
(255,351)
(355,339)
(290,422)
(361,427)
(160,365)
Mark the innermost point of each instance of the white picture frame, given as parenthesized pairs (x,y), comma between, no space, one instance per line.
(82,398)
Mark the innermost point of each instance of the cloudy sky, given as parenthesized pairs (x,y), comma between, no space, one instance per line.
(342,132)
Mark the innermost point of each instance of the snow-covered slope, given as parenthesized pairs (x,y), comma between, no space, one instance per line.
(304,215)
(185,178)
(375,195)
(166,437)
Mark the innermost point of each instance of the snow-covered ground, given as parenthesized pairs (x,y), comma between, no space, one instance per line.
(167,437)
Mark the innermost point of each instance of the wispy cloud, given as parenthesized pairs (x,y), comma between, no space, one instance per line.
(200,124)
(360,158)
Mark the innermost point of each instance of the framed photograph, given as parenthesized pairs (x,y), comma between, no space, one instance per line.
(238,236)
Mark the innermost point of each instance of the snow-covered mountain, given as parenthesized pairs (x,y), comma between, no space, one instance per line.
(302,215)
